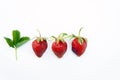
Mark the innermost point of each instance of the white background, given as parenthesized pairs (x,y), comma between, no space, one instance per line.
(100,19)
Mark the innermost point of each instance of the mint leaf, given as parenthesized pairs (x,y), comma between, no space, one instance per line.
(9,42)
(16,36)
(22,41)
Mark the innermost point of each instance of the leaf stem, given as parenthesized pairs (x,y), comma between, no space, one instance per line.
(16,53)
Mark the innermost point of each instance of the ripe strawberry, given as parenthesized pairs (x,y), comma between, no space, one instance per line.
(39,46)
(79,44)
(59,46)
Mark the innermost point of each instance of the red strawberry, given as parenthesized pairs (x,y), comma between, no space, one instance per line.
(79,44)
(39,46)
(59,46)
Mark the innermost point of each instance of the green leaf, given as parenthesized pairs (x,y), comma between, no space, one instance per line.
(22,41)
(16,36)
(9,42)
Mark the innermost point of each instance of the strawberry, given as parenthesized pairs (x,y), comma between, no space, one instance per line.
(59,46)
(79,44)
(39,46)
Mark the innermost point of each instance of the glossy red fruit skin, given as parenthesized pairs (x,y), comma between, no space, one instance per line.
(39,47)
(78,48)
(59,48)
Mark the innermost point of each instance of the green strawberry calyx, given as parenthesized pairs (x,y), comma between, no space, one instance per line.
(60,37)
(39,39)
(80,39)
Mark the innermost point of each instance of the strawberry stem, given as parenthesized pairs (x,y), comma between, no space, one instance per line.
(59,37)
(39,38)
(80,31)
(39,33)
(80,40)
